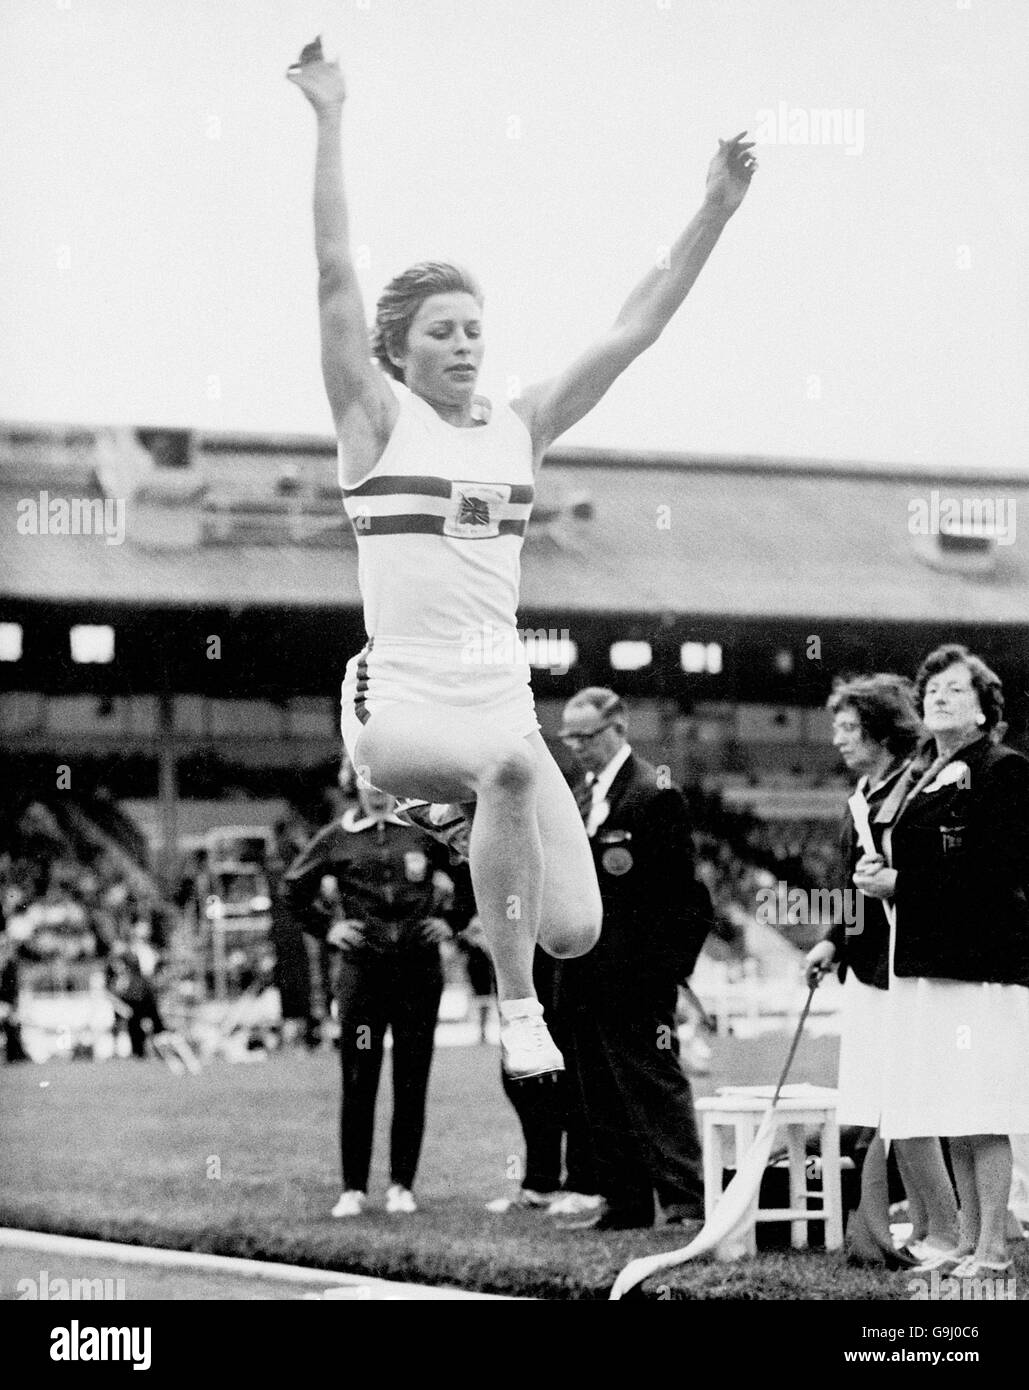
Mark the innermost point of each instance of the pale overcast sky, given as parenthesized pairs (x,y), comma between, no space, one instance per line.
(868,301)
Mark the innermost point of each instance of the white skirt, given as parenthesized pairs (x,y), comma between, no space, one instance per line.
(862,1053)
(956,1059)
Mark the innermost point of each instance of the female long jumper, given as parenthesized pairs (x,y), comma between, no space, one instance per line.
(439,487)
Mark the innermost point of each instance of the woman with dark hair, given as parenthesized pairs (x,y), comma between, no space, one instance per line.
(439,487)
(955,865)
(876,730)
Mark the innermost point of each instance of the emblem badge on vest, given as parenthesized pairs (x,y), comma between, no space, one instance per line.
(416,866)
(616,858)
(474,511)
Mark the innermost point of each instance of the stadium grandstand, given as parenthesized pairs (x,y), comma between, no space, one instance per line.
(176,610)
(720,595)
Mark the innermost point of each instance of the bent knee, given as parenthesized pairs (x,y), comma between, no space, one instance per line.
(572,939)
(511,769)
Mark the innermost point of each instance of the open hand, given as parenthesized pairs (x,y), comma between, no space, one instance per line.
(435,930)
(474,934)
(320,81)
(346,932)
(730,173)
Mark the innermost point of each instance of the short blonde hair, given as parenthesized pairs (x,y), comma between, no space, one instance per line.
(403,297)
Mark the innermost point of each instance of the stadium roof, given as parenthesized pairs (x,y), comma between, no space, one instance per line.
(259,523)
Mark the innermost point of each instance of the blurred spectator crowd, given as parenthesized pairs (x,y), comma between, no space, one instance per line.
(78,915)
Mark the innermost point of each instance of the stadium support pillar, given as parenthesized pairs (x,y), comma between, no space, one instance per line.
(667,714)
(667,675)
(168,792)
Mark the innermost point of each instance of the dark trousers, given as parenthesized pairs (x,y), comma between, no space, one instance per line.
(144,1010)
(400,989)
(292,965)
(623,1052)
(554,1127)
(13,1049)
(557,1137)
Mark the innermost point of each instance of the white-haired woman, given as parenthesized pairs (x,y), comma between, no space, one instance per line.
(956,866)
(439,487)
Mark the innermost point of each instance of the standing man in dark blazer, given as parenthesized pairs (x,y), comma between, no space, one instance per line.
(619,1001)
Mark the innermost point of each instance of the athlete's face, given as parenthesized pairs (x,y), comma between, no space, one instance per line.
(444,349)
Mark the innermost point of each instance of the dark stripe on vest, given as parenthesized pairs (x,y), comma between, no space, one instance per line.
(414,523)
(388,483)
(392,484)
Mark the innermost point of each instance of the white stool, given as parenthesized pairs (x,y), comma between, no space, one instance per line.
(741,1110)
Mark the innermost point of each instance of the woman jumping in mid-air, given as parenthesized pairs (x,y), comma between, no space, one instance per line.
(439,487)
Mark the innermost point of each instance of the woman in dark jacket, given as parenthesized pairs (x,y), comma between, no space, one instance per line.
(876,730)
(366,885)
(956,868)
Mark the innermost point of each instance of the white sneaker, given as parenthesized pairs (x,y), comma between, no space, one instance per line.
(971,1268)
(931,1257)
(527,1200)
(399,1201)
(574,1204)
(527,1047)
(900,1234)
(351,1203)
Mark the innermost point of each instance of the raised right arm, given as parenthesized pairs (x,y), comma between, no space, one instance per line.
(364,407)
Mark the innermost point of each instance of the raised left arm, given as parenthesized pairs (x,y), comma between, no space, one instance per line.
(551,407)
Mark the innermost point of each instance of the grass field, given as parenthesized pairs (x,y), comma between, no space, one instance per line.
(242,1161)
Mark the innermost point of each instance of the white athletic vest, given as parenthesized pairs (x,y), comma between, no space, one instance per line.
(440,521)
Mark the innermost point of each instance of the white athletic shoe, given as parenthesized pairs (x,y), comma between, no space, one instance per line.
(399,1201)
(527,1200)
(900,1234)
(528,1049)
(574,1204)
(931,1257)
(351,1203)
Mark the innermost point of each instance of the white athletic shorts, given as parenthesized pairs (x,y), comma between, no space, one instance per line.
(391,672)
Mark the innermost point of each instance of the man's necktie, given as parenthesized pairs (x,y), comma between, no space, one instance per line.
(584,798)
(592,808)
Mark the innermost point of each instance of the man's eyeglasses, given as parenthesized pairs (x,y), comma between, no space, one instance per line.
(584,738)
